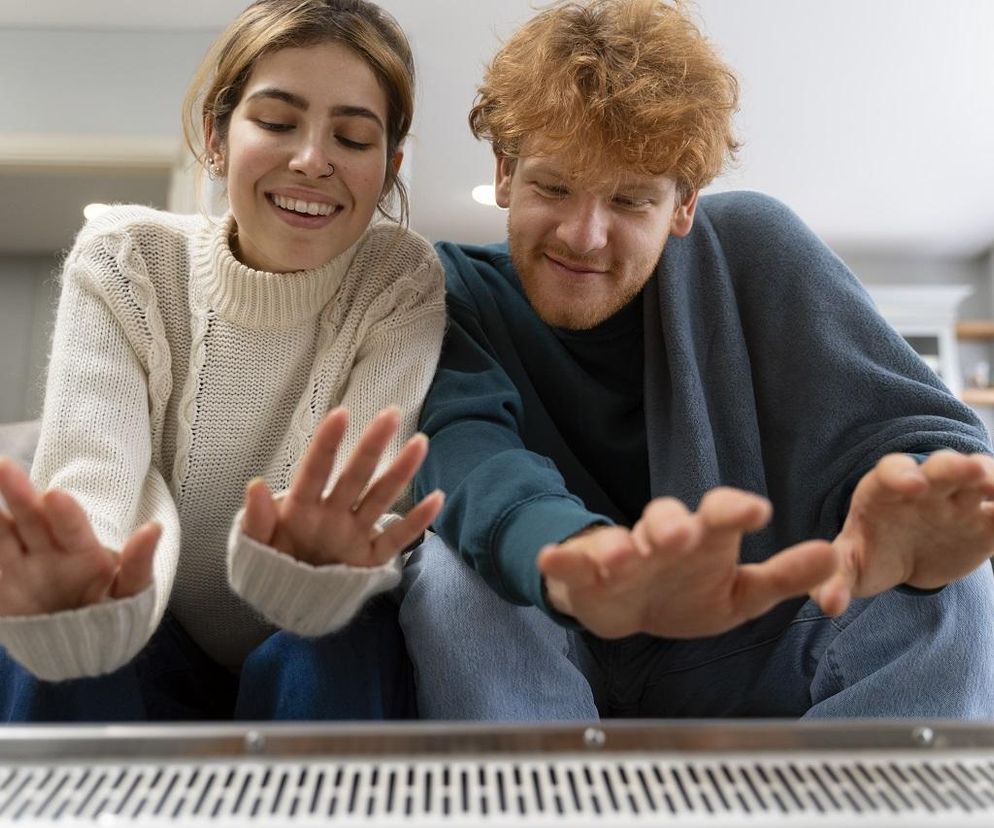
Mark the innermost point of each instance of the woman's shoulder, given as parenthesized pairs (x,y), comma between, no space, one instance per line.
(392,246)
(126,237)
(138,220)
(133,253)
(395,276)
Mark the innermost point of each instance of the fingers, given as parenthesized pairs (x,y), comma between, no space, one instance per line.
(261,516)
(967,479)
(665,524)
(723,515)
(574,567)
(949,471)
(834,595)
(135,566)
(795,571)
(894,478)
(360,466)
(67,521)
(388,487)
(401,533)
(727,510)
(315,468)
(24,505)
(10,543)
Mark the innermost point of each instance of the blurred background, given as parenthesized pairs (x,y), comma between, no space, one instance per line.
(873,119)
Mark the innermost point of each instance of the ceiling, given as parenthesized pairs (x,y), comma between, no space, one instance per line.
(874,120)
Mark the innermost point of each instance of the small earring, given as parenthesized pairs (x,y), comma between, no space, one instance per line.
(330,173)
(214,170)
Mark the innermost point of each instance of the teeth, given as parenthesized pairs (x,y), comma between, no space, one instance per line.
(311,208)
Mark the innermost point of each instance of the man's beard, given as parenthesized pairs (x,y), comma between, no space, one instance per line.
(561,312)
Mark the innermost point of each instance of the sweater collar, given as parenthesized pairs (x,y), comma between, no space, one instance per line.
(258,299)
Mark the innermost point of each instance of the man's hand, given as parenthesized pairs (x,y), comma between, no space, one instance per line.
(921,525)
(677,573)
(50,560)
(339,527)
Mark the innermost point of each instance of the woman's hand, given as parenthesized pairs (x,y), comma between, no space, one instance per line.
(339,527)
(50,559)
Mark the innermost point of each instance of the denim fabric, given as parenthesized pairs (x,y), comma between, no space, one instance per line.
(478,657)
(361,672)
(896,655)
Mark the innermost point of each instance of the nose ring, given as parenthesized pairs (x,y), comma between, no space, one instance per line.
(330,173)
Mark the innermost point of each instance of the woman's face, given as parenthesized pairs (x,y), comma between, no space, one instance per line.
(302,110)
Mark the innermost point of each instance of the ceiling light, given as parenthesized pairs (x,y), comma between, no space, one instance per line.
(91,211)
(484,194)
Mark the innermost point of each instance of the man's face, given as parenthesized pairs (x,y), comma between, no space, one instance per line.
(584,251)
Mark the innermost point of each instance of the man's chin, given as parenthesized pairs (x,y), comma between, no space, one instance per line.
(568,316)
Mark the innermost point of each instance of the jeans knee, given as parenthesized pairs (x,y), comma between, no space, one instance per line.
(437,574)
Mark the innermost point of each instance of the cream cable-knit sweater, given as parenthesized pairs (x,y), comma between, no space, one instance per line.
(177,375)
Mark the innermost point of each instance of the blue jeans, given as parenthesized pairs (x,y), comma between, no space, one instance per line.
(478,657)
(361,672)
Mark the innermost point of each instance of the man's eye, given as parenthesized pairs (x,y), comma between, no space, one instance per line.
(631,203)
(553,191)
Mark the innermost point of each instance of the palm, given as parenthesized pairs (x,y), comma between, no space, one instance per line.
(323,527)
(50,558)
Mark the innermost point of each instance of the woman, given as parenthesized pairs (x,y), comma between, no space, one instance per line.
(192,368)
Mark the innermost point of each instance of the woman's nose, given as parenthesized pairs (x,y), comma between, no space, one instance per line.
(310,158)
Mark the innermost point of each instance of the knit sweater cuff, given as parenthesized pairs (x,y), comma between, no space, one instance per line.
(80,643)
(296,596)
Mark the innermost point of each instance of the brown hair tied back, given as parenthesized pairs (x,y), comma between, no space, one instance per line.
(270,25)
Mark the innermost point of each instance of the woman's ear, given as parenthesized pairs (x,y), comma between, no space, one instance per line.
(215,148)
(394,163)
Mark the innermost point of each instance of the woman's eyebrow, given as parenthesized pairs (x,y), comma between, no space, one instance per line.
(281,95)
(297,102)
(346,111)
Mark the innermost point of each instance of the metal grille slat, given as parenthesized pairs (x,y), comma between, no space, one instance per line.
(565,791)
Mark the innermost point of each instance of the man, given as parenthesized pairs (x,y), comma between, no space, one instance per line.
(694,471)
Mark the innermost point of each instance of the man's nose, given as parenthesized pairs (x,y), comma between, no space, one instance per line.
(584,227)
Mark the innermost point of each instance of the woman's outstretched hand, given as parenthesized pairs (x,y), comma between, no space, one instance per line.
(339,526)
(50,558)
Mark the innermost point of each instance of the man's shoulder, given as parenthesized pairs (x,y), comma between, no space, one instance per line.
(473,267)
(745,208)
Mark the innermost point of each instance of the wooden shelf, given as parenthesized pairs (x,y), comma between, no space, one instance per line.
(975,329)
(978,396)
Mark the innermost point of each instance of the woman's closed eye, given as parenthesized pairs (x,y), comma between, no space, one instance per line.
(273,126)
(352,143)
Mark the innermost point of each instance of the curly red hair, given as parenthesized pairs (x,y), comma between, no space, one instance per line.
(629,84)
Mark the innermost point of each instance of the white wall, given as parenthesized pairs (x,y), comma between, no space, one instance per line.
(28,287)
(96,82)
(76,82)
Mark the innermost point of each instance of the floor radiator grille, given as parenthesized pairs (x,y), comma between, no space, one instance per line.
(878,788)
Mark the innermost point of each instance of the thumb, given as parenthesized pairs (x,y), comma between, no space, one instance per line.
(134,571)
(800,569)
(834,595)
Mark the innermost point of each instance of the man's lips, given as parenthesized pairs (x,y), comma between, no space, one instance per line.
(575,268)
